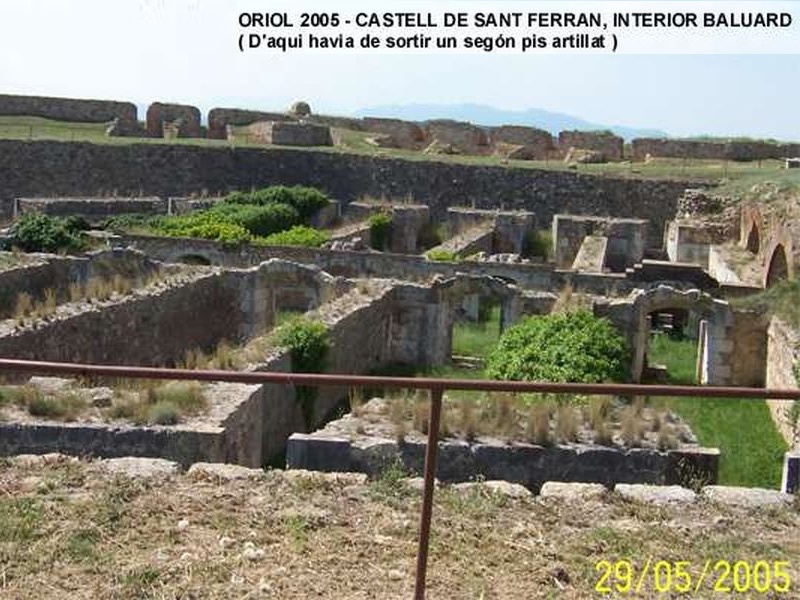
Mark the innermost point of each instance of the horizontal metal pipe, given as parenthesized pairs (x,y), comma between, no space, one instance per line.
(316,379)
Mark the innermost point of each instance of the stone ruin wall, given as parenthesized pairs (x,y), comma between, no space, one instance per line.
(151,329)
(610,146)
(57,273)
(70,109)
(220,118)
(82,169)
(281,133)
(783,356)
(712,150)
(159,115)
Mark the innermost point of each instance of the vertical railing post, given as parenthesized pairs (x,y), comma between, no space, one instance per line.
(427,495)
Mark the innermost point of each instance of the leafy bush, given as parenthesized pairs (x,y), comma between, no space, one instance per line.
(258,220)
(308,345)
(203,225)
(307,342)
(305,200)
(37,232)
(441,255)
(574,347)
(380,226)
(299,235)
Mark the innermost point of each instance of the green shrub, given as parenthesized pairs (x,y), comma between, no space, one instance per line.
(204,225)
(441,255)
(308,344)
(380,226)
(574,347)
(299,235)
(258,220)
(37,232)
(305,200)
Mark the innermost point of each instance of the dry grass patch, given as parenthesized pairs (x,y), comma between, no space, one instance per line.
(112,537)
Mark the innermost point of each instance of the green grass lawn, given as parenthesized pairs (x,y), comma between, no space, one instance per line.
(750,445)
(477,338)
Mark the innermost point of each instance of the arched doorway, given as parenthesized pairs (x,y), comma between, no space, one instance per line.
(778,269)
(753,240)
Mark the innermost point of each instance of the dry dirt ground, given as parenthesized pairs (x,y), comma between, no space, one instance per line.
(73,530)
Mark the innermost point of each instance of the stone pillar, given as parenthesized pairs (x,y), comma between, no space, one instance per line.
(701,351)
(790,482)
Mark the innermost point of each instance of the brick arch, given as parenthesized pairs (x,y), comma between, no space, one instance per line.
(777,269)
(778,258)
(751,229)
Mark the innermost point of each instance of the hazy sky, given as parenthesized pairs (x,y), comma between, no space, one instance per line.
(185,51)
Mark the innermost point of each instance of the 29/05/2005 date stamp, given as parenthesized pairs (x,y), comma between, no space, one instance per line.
(721,576)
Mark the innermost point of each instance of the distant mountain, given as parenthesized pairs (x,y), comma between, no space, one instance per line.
(490,116)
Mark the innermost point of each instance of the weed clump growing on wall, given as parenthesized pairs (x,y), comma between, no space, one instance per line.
(308,343)
(380,226)
(570,347)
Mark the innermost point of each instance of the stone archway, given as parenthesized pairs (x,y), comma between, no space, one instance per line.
(778,266)
(753,240)
(466,289)
(631,318)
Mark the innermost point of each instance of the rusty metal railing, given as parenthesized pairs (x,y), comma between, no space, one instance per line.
(436,386)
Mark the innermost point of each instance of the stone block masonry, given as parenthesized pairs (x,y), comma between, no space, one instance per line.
(282,133)
(610,146)
(68,109)
(94,210)
(185,118)
(220,118)
(522,463)
(75,169)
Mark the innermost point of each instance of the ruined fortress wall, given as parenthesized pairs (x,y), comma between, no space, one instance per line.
(68,109)
(608,144)
(402,134)
(60,168)
(536,144)
(718,150)
(220,118)
(159,113)
(282,133)
(152,329)
(463,137)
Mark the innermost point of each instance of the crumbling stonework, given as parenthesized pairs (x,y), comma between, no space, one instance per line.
(284,133)
(717,150)
(220,118)
(94,210)
(783,356)
(456,137)
(185,118)
(627,239)
(524,143)
(69,109)
(80,169)
(398,133)
(608,145)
